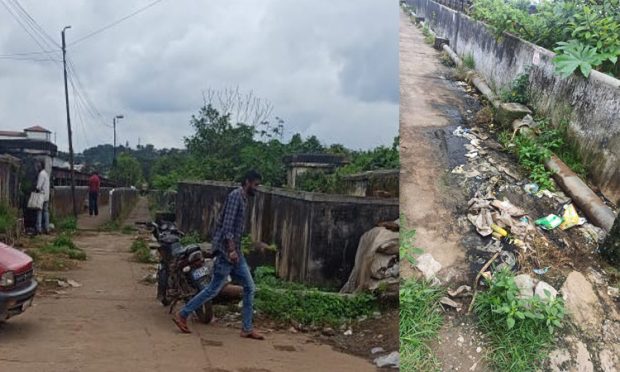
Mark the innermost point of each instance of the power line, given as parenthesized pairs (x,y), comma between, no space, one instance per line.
(19,20)
(31,59)
(79,40)
(35,24)
(85,97)
(28,53)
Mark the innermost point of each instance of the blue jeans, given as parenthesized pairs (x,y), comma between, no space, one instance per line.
(239,272)
(43,216)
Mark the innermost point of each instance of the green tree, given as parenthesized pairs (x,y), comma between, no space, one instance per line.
(128,171)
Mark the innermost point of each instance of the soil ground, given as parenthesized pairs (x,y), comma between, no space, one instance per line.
(113,322)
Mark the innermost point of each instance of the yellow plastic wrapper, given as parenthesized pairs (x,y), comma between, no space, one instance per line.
(570,217)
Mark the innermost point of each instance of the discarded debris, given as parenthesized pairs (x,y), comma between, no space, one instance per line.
(377,350)
(542,271)
(348,332)
(451,303)
(461,291)
(571,218)
(73,283)
(391,360)
(531,188)
(550,222)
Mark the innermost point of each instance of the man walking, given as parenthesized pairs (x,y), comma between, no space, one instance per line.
(43,187)
(94,183)
(229,258)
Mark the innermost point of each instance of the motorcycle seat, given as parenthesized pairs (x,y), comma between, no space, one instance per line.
(186,250)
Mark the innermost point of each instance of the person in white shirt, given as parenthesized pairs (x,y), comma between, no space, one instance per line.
(43,186)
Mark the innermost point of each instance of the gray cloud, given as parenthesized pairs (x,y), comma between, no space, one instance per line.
(330,68)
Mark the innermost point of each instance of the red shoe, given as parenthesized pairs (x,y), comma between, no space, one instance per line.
(181,323)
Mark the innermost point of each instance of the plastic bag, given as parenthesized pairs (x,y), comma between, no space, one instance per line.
(550,222)
(570,217)
(36,200)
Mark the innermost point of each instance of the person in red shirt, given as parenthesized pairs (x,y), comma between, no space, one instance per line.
(94,182)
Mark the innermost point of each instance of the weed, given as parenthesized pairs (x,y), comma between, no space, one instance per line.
(293,302)
(8,218)
(68,224)
(191,238)
(128,229)
(141,251)
(407,238)
(521,331)
(519,90)
(429,38)
(469,62)
(63,245)
(420,320)
(446,60)
(112,225)
(247,244)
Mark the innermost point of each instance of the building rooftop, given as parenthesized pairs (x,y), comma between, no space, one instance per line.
(37,128)
(9,133)
(315,158)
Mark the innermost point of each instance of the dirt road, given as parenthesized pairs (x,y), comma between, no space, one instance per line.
(431,107)
(113,323)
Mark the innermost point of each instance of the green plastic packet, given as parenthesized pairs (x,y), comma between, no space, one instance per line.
(550,222)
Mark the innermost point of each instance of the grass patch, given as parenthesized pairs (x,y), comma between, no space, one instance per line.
(429,38)
(446,60)
(533,152)
(128,229)
(191,238)
(407,237)
(294,302)
(109,226)
(420,321)
(522,331)
(469,62)
(59,254)
(67,224)
(141,251)
(519,90)
(8,218)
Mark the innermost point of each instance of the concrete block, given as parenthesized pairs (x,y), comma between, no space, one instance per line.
(507,113)
(419,19)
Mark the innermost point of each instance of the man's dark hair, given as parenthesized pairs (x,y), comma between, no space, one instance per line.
(251,176)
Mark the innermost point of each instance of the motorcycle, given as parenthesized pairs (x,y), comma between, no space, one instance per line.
(183,271)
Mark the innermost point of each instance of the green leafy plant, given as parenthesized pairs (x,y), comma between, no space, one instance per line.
(519,90)
(420,321)
(64,245)
(68,224)
(293,302)
(8,218)
(469,62)
(407,250)
(574,55)
(521,330)
(192,237)
(141,251)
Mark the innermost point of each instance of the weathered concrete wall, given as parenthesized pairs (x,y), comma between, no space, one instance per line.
(162,201)
(374,183)
(9,180)
(62,205)
(121,201)
(316,234)
(591,106)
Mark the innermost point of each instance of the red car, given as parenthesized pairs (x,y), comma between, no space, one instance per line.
(17,283)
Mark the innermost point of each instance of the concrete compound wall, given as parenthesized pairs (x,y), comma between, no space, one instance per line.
(592,106)
(122,199)
(62,205)
(316,234)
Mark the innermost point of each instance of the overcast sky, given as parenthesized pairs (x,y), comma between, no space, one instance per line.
(329,67)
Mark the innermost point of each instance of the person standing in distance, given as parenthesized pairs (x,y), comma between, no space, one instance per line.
(94,183)
(43,186)
(229,258)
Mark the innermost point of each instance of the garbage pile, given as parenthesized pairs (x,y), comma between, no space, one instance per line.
(488,175)
(376,262)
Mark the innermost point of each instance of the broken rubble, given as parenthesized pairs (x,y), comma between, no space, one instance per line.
(508,112)
(427,265)
(391,360)
(525,283)
(581,303)
(545,291)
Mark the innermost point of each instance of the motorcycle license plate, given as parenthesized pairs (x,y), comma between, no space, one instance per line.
(200,272)
(26,304)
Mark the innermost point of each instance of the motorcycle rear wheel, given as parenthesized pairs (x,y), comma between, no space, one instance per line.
(205,313)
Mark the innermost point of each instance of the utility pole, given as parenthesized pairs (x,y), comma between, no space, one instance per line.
(64,65)
(114,125)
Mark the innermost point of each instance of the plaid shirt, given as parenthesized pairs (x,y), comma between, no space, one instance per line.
(231,223)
